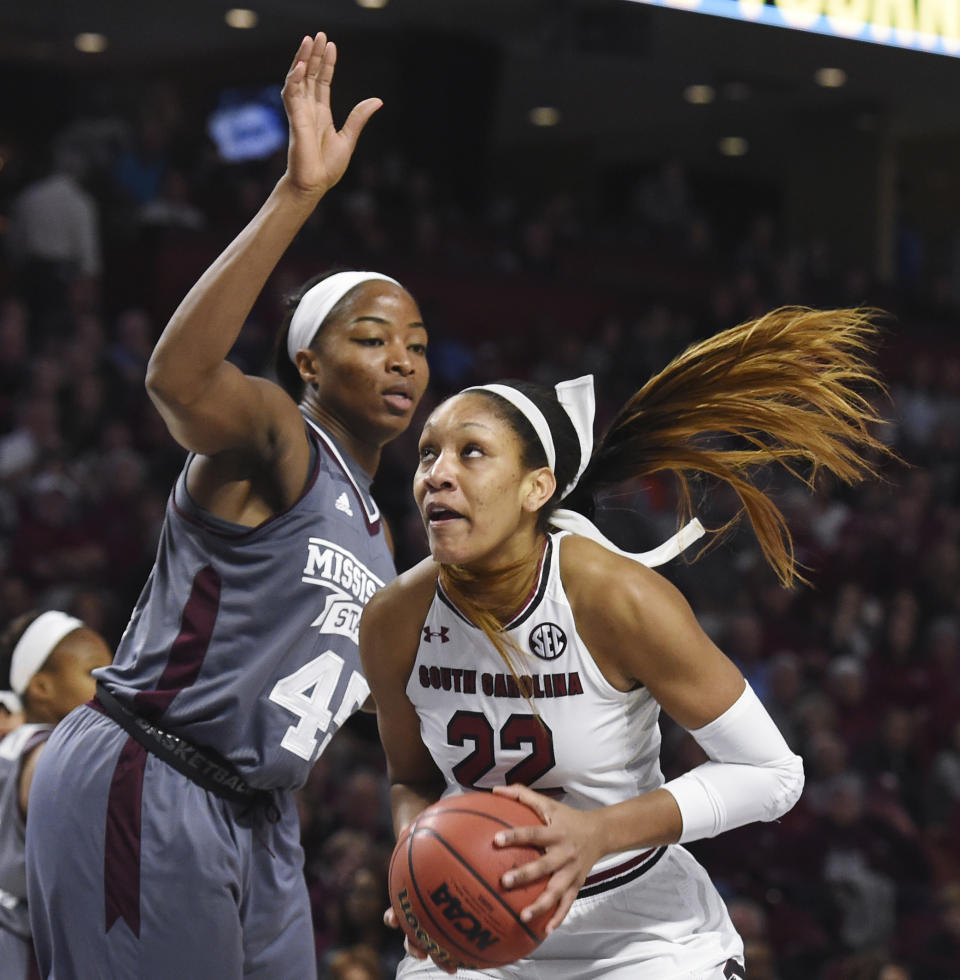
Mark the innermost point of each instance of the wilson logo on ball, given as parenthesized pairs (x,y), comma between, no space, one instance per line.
(547,641)
(431,948)
(462,920)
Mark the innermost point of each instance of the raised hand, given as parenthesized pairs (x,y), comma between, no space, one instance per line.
(569,844)
(318,153)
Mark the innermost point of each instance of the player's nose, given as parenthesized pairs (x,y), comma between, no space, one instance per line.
(441,473)
(400,358)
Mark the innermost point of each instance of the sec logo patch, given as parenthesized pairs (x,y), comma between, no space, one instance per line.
(547,641)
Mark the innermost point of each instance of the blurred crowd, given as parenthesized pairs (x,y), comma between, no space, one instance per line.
(105,230)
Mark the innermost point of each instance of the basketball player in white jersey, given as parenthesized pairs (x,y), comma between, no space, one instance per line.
(46,661)
(530,656)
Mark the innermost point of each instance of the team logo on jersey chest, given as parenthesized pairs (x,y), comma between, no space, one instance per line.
(547,641)
(350,584)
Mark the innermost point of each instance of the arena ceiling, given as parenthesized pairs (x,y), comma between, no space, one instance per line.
(615,70)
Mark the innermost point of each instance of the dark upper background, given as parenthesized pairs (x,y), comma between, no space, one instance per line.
(574,252)
(459,77)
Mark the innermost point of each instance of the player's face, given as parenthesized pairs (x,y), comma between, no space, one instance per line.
(477,499)
(68,670)
(371,364)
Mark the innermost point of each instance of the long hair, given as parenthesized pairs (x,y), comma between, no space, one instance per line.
(790,388)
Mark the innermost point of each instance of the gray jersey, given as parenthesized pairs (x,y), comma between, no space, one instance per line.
(13,878)
(245,639)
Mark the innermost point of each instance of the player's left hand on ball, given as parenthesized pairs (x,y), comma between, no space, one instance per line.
(569,843)
(412,947)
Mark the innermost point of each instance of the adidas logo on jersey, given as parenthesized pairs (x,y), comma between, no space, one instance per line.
(342,504)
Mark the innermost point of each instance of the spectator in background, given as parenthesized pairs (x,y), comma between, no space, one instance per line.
(54,543)
(54,241)
(14,355)
(358,916)
(355,963)
(35,434)
(171,210)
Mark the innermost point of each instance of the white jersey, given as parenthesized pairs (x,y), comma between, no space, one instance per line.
(593,744)
(640,915)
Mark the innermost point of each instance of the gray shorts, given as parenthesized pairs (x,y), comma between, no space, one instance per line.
(135,871)
(16,957)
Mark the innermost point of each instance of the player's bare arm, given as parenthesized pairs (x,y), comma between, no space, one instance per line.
(26,776)
(209,405)
(640,630)
(389,637)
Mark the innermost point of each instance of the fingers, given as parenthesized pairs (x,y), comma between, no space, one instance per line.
(563,907)
(532,871)
(315,60)
(534,800)
(325,76)
(302,54)
(539,837)
(358,118)
(557,898)
(390,918)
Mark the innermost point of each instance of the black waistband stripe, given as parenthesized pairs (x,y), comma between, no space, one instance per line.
(615,877)
(202,766)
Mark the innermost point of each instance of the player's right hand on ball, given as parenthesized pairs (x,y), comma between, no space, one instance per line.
(414,948)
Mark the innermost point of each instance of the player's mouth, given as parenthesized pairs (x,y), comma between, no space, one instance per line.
(439,515)
(399,398)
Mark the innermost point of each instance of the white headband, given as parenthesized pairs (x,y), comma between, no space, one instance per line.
(36,644)
(318,301)
(10,701)
(576,398)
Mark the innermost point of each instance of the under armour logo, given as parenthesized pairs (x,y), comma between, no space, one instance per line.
(443,633)
(343,504)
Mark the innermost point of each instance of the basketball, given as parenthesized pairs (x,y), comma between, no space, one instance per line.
(445,882)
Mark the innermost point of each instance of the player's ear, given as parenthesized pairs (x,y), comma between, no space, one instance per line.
(39,694)
(538,488)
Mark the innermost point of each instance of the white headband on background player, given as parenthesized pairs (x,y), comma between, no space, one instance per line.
(577,399)
(10,701)
(317,302)
(36,644)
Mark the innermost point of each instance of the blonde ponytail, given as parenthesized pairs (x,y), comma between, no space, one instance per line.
(790,387)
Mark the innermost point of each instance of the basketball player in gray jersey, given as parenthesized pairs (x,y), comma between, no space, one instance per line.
(164,840)
(47,660)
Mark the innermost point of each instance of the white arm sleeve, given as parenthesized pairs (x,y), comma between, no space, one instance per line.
(752,774)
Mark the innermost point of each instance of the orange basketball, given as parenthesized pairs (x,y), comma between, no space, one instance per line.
(445,882)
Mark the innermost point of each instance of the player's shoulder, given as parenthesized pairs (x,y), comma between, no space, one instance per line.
(407,598)
(597,579)
(391,623)
(586,564)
